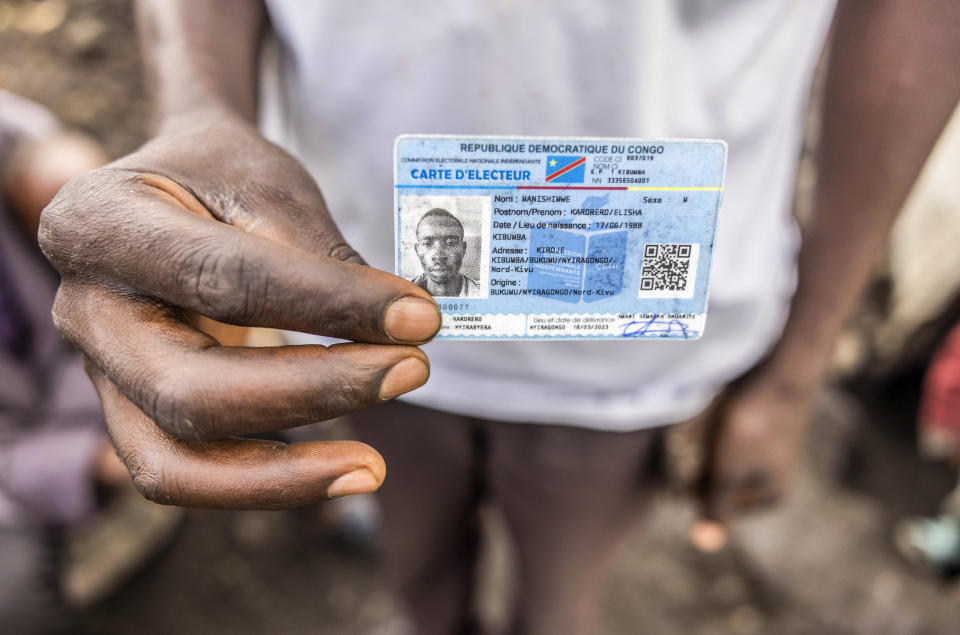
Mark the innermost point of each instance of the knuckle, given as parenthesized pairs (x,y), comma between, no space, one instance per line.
(150,486)
(74,306)
(147,473)
(344,396)
(345,253)
(157,483)
(69,224)
(184,406)
(176,405)
(63,315)
(227,284)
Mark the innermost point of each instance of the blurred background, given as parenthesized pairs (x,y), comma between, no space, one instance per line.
(825,562)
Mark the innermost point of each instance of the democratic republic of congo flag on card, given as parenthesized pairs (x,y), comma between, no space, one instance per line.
(564,169)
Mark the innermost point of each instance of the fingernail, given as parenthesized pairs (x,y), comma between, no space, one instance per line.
(412,319)
(356,482)
(403,377)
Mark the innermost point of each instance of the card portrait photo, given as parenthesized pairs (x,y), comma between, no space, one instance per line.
(444,244)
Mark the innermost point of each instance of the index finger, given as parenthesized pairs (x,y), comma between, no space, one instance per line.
(167,252)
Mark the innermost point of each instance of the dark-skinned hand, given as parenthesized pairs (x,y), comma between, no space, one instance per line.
(209,218)
(754,435)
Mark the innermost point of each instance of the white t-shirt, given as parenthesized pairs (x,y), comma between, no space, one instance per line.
(351,76)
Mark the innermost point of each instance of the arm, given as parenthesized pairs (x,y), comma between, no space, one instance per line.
(892,83)
(200,65)
(210,218)
(201,56)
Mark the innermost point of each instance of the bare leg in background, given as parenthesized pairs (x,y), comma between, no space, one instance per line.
(429,501)
(568,496)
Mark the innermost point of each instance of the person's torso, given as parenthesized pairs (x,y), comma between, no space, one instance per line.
(353,76)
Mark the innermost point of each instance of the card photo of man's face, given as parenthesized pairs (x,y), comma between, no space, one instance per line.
(440,246)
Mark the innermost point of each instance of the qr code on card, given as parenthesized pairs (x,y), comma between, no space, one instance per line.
(669,270)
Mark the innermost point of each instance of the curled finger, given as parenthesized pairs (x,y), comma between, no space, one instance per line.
(195,389)
(233,473)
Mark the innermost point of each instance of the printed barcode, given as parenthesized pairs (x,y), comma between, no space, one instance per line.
(668,270)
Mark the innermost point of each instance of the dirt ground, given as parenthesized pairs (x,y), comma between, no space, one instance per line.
(823,563)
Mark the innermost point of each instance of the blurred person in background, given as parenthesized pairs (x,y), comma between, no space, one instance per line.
(934,543)
(211,217)
(55,458)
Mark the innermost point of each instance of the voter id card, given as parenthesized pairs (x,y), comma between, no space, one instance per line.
(559,238)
